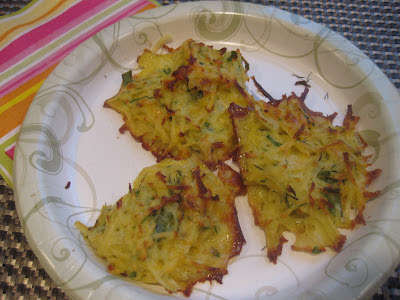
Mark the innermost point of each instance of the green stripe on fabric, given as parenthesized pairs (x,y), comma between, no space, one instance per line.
(155,2)
(6,161)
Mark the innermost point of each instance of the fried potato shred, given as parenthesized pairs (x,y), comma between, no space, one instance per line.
(177,105)
(176,226)
(303,175)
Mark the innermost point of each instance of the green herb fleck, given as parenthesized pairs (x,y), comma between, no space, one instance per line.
(167,70)
(234,55)
(287,200)
(333,197)
(199,94)
(271,139)
(194,149)
(133,274)
(175,178)
(207,124)
(127,78)
(215,252)
(140,98)
(165,221)
(316,250)
(259,167)
(325,175)
(196,94)
(301,205)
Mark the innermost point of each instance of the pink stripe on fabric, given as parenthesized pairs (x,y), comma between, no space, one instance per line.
(10,153)
(61,53)
(44,34)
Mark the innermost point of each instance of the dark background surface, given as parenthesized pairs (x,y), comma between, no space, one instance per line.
(373,26)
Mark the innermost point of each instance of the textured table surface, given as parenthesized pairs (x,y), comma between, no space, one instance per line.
(373,26)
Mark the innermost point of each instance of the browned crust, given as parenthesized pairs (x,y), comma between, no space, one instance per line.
(263,92)
(338,244)
(372,175)
(157,93)
(203,191)
(119,203)
(369,195)
(164,200)
(178,187)
(299,132)
(232,178)
(237,112)
(239,239)
(303,83)
(213,274)
(161,176)
(236,233)
(348,167)
(349,120)
(213,165)
(169,49)
(242,92)
(178,75)
(273,254)
(359,219)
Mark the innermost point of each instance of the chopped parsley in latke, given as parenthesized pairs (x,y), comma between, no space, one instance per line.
(175,227)
(303,174)
(176,106)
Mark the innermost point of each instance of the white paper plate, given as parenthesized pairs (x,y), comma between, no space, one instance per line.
(68,136)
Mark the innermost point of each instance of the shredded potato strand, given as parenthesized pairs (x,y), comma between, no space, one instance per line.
(304,175)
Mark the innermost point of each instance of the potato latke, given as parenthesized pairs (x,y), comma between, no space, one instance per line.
(303,174)
(176,226)
(177,105)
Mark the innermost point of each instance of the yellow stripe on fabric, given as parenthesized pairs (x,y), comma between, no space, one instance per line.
(26,86)
(6,162)
(20,97)
(47,10)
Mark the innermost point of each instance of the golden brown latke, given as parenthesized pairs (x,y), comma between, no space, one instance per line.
(175,227)
(303,174)
(177,105)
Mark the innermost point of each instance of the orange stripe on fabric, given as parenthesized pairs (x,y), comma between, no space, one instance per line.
(26,86)
(149,6)
(4,35)
(14,116)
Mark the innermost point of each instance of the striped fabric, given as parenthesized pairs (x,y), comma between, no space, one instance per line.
(33,41)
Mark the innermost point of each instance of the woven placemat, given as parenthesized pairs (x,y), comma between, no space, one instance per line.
(373,26)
